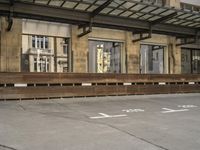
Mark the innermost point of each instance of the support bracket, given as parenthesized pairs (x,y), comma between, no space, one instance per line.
(186,41)
(149,35)
(10,16)
(87,28)
(153,23)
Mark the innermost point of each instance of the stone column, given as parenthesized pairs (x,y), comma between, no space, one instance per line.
(174,57)
(10,46)
(173,3)
(79,51)
(133,54)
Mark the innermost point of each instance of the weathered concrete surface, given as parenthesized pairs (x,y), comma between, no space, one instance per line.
(67,125)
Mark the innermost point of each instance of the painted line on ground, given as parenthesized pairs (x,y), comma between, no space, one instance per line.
(187,106)
(133,110)
(168,110)
(103,116)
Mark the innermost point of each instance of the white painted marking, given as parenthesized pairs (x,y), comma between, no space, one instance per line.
(191,83)
(167,110)
(107,116)
(187,106)
(86,84)
(133,110)
(127,83)
(162,83)
(20,85)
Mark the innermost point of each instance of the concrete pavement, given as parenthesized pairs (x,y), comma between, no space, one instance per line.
(153,122)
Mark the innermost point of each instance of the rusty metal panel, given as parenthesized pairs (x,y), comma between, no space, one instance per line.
(49,85)
(93,78)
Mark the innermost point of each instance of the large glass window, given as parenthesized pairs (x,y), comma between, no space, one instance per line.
(185,61)
(104,56)
(152,59)
(190,61)
(196,61)
(44,54)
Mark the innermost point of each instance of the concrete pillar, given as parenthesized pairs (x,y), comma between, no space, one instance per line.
(79,51)
(10,46)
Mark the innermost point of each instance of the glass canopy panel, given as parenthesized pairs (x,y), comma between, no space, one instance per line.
(198,19)
(136,15)
(157,11)
(116,12)
(82,6)
(100,2)
(70,5)
(193,17)
(89,1)
(119,1)
(114,4)
(171,20)
(93,7)
(128,5)
(41,1)
(106,10)
(148,9)
(56,2)
(137,7)
(167,13)
(127,8)
(198,26)
(186,23)
(184,16)
(190,25)
(178,22)
(145,17)
(126,13)
(195,24)
(154,18)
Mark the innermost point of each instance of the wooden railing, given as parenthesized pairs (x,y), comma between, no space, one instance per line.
(60,85)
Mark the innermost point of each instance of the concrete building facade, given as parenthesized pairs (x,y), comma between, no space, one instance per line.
(40,46)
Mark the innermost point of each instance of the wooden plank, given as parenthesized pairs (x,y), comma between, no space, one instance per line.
(47,92)
(42,78)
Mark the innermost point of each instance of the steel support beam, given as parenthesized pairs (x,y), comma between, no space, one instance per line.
(86,29)
(185,42)
(92,15)
(10,15)
(49,13)
(148,36)
(100,8)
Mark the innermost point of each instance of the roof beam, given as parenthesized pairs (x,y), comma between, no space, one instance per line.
(100,8)
(55,14)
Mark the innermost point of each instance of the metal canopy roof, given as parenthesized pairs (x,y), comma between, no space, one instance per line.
(119,14)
